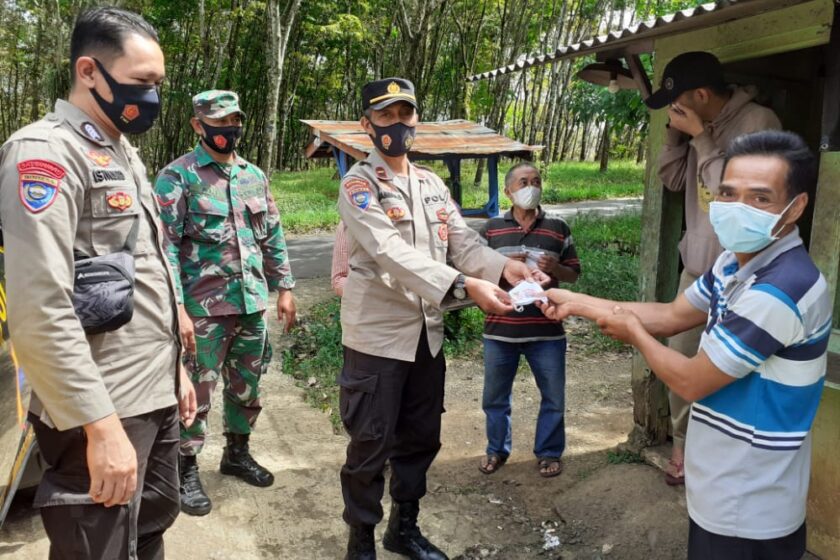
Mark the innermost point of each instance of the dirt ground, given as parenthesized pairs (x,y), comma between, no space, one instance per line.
(593,510)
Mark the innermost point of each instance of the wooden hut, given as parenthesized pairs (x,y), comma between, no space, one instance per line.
(447,141)
(790,49)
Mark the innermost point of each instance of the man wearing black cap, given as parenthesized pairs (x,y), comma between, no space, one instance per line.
(705,115)
(401,226)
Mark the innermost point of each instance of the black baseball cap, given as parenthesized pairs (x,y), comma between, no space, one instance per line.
(687,71)
(381,93)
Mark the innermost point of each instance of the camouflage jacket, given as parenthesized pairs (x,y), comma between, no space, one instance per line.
(227,240)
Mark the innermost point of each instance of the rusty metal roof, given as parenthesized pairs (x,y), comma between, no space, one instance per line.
(638,38)
(434,140)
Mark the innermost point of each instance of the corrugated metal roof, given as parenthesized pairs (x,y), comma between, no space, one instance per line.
(639,37)
(434,140)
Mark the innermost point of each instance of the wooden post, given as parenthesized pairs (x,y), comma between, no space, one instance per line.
(340,161)
(824,494)
(639,75)
(492,207)
(454,166)
(662,212)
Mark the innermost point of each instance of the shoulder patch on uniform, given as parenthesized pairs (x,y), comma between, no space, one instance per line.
(100,159)
(359,192)
(39,183)
(442,214)
(90,130)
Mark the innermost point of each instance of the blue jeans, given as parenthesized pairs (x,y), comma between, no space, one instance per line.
(548,363)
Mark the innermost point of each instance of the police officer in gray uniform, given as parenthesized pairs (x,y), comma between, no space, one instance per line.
(105,407)
(401,226)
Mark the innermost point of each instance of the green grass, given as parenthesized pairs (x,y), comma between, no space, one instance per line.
(567,181)
(609,252)
(307,199)
(609,255)
(316,356)
(624,457)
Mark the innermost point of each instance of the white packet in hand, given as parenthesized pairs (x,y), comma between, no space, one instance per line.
(526,293)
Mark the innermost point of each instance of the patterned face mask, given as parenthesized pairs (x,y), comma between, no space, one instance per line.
(394,140)
(135,106)
(222,139)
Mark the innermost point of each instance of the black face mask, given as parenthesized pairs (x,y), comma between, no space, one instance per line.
(222,139)
(134,108)
(394,140)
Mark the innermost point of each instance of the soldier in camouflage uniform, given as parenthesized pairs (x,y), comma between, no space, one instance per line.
(229,249)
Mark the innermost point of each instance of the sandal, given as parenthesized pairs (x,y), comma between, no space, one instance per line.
(491,463)
(545,465)
(675,474)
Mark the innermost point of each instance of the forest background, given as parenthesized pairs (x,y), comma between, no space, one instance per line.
(307,59)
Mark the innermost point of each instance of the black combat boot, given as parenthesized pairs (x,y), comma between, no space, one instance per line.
(361,545)
(193,499)
(237,461)
(403,535)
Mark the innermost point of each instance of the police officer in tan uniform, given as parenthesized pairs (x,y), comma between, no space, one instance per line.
(105,408)
(402,226)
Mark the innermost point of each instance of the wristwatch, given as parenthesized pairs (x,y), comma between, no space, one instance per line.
(458,290)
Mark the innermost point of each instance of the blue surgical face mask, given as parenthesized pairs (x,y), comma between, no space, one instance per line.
(743,229)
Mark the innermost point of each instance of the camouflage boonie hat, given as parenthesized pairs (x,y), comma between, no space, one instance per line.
(216,104)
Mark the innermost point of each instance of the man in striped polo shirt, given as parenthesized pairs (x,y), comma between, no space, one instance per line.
(527,234)
(757,378)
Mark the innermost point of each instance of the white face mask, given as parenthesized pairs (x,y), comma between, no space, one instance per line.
(527,198)
(526,293)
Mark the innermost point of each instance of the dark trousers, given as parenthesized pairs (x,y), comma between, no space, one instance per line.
(703,545)
(78,528)
(391,409)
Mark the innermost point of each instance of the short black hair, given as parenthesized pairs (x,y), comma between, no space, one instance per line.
(101,32)
(802,163)
(520,165)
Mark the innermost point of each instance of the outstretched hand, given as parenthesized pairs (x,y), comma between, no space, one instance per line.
(564,309)
(622,324)
(488,296)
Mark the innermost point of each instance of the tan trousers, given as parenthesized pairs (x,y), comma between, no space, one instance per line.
(686,343)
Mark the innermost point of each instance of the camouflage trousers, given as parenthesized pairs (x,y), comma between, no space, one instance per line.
(236,348)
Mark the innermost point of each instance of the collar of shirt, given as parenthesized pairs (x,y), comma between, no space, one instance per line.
(203,158)
(769,254)
(81,122)
(540,215)
(385,173)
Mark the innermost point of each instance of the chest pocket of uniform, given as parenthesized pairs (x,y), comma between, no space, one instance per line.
(397,210)
(258,215)
(438,219)
(207,219)
(114,205)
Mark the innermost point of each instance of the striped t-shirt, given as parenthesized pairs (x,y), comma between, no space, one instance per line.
(550,235)
(748,447)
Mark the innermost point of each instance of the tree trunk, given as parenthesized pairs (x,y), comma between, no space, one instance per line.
(605,148)
(583,141)
(279,27)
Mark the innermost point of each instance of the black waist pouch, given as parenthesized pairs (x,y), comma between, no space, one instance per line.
(103,288)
